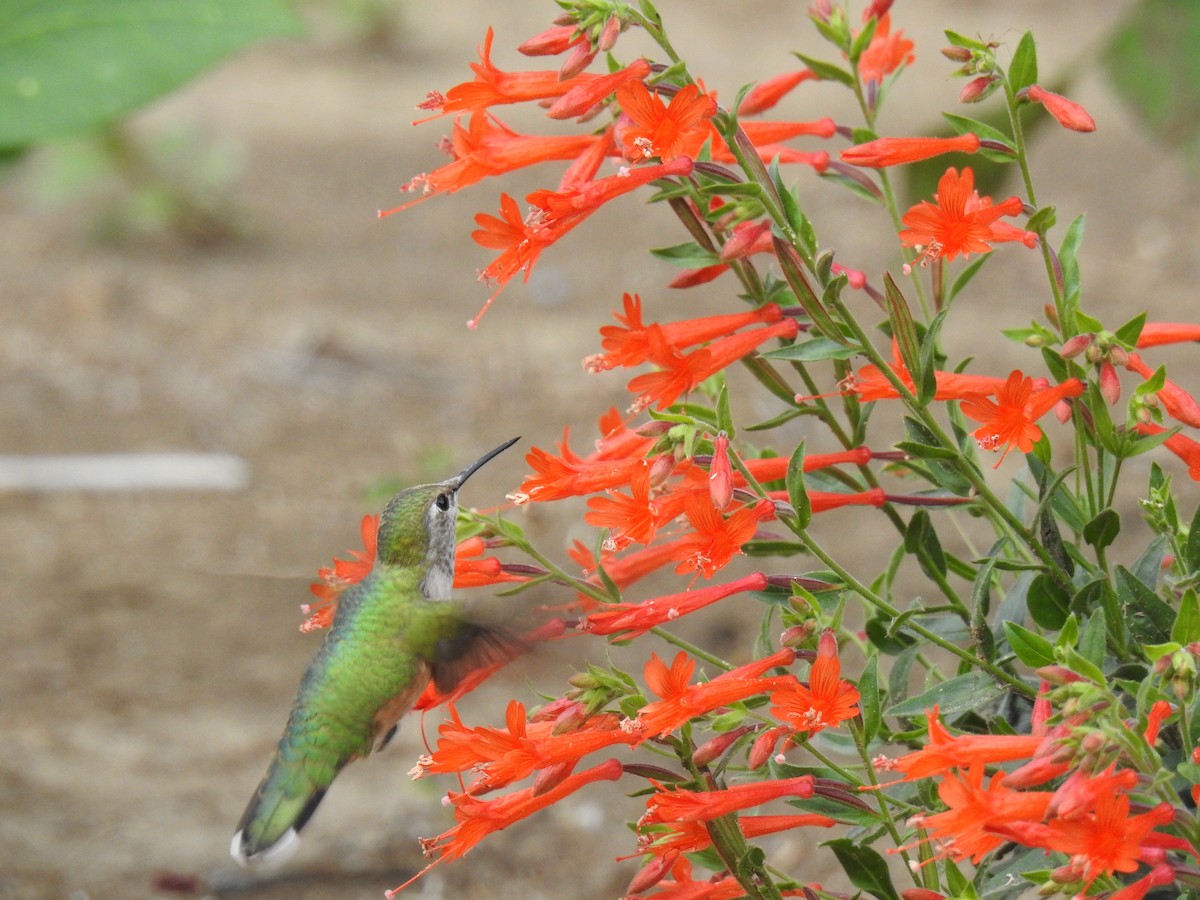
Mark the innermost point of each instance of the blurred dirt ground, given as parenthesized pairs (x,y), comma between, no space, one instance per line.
(151,649)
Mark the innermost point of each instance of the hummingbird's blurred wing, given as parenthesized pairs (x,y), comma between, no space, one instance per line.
(474,647)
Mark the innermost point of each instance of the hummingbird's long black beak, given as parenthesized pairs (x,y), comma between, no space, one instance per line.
(457,480)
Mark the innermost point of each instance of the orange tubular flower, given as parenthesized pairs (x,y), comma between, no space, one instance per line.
(946,751)
(523,240)
(504,755)
(665,131)
(632,620)
(473,569)
(1182,446)
(716,539)
(492,87)
(488,147)
(869,383)
(682,701)
(823,501)
(885,54)
(770,91)
(693,836)
(478,818)
(553,41)
(883,152)
(825,702)
(1106,840)
(336,578)
(618,456)
(682,373)
(629,344)
(1068,113)
(1179,404)
(703,806)
(1008,421)
(582,98)
(964,831)
(1156,334)
(629,519)
(959,222)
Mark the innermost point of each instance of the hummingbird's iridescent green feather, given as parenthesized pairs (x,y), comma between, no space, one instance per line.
(391,634)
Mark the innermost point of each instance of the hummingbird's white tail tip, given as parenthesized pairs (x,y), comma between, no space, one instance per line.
(270,856)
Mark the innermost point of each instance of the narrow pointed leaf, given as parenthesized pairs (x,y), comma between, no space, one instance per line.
(797,495)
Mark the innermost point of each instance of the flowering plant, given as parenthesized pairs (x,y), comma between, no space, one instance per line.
(1051,741)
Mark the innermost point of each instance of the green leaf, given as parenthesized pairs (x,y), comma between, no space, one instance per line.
(1103,529)
(766,375)
(922,442)
(1048,603)
(904,330)
(724,414)
(687,256)
(865,868)
(827,71)
(887,640)
(1191,550)
(1131,330)
(1042,220)
(1092,642)
(1148,617)
(862,39)
(869,699)
(1032,649)
(965,693)
(797,495)
(961,40)
(1081,665)
(67,66)
(813,351)
(965,276)
(921,540)
(1022,71)
(963,125)
(793,270)
(1068,256)
(1186,629)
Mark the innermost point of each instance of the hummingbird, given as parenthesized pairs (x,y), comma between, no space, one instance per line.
(393,632)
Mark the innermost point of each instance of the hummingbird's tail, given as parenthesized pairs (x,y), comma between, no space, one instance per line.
(284,802)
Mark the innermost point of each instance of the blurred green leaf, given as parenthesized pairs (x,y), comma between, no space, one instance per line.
(67,66)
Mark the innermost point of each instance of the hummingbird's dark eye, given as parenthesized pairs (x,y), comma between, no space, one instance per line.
(443,502)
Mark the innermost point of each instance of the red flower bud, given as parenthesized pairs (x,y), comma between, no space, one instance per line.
(1076,345)
(713,748)
(1110,384)
(976,89)
(720,474)
(1068,113)
(652,873)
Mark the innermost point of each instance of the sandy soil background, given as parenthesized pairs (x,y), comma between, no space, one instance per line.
(151,649)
